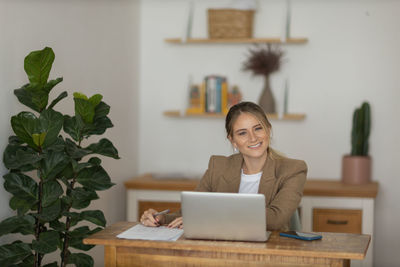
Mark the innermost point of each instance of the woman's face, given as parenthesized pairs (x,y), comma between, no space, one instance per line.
(249,136)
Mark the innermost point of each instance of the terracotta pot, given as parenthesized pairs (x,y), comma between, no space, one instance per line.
(356,169)
(266,100)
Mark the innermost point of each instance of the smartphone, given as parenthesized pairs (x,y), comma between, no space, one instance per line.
(301,235)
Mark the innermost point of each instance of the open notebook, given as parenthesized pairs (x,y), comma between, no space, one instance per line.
(140,231)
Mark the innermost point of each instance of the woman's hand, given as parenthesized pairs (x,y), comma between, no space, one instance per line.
(177,223)
(148,218)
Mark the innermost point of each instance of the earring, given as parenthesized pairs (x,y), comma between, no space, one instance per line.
(235,149)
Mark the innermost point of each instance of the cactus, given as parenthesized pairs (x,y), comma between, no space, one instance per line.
(361,130)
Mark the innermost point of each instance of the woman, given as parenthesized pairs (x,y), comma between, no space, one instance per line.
(255,169)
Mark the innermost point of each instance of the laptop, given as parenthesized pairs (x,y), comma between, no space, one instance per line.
(224,216)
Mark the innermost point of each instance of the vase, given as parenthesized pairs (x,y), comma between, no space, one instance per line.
(266,100)
(356,169)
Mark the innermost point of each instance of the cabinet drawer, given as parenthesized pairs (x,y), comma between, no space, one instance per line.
(337,220)
(157,205)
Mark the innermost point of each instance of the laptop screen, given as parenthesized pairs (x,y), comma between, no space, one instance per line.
(224,216)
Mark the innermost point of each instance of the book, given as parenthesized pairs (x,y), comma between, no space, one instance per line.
(211,90)
(224,97)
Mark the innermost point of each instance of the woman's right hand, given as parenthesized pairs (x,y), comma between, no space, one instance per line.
(148,219)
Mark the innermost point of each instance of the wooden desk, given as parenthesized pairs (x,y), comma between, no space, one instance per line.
(349,207)
(335,249)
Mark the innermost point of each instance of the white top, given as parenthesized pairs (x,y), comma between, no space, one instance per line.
(249,183)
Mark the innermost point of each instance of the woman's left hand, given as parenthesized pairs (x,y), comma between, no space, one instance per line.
(177,223)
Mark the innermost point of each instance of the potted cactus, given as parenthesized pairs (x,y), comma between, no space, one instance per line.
(356,167)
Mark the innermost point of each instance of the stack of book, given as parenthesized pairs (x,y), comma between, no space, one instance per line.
(210,97)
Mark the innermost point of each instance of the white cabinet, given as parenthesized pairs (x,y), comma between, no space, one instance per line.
(343,212)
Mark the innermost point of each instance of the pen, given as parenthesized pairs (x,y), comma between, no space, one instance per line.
(161,212)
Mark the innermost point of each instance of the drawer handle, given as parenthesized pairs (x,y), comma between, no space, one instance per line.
(337,222)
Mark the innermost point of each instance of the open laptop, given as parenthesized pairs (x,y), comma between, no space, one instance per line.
(224,216)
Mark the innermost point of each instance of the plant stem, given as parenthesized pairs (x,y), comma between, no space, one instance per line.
(64,254)
(38,225)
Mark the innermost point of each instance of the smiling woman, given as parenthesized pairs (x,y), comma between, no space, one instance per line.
(255,169)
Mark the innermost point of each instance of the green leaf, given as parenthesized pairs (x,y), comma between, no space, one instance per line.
(22,186)
(25,97)
(81,197)
(80,96)
(53,264)
(57,146)
(38,139)
(99,126)
(40,98)
(84,109)
(24,125)
(102,110)
(57,225)
(51,122)
(78,234)
(74,127)
(50,85)
(18,224)
(14,140)
(38,132)
(95,99)
(38,64)
(21,205)
(95,161)
(95,178)
(47,242)
(52,190)
(94,216)
(53,164)
(104,147)
(83,231)
(50,213)
(20,157)
(80,260)
(13,253)
(100,122)
(74,217)
(27,262)
(67,173)
(75,151)
(58,99)
(80,166)
(27,156)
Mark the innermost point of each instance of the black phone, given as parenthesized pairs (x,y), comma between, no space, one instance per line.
(301,235)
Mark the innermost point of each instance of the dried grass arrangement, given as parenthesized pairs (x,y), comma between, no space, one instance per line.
(264,60)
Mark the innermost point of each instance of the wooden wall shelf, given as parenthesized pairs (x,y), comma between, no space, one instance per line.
(287,117)
(237,41)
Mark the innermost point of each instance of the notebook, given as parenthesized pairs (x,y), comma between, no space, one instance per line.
(224,216)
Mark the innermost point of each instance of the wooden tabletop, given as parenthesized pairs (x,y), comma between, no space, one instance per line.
(332,245)
(313,187)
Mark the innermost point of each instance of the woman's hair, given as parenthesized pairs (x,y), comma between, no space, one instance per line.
(245,107)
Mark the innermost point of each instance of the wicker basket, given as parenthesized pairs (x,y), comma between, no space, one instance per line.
(230,23)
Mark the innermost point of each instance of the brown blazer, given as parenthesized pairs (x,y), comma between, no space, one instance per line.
(282,184)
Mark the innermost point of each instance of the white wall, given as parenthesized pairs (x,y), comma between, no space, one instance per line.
(352,55)
(96,47)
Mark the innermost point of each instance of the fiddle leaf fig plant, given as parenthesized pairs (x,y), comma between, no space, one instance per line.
(52,177)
